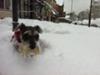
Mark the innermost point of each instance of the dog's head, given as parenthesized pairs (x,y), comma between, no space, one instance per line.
(30,39)
(31,35)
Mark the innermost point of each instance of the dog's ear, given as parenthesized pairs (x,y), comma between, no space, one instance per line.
(22,25)
(38,29)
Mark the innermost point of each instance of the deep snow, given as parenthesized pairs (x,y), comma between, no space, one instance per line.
(66,50)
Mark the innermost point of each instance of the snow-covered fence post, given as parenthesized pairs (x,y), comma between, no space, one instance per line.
(15,13)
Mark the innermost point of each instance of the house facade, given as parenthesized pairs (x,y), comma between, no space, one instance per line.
(5,8)
(51,8)
(96,9)
(26,9)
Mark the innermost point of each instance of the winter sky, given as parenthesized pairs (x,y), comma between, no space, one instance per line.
(78,5)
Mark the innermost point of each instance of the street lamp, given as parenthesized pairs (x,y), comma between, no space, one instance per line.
(90,13)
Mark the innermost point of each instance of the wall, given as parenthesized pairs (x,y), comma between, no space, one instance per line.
(5,13)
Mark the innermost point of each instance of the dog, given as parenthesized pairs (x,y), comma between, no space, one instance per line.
(29,39)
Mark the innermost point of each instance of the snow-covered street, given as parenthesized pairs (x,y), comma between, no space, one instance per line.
(66,50)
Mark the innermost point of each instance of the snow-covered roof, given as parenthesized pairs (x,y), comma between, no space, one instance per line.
(60,2)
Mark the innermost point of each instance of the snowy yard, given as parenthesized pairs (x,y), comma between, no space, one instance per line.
(66,50)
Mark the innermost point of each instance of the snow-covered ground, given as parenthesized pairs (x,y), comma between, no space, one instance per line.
(66,50)
(60,2)
(96,21)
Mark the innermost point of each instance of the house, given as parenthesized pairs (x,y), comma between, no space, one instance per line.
(49,11)
(5,8)
(26,9)
(96,9)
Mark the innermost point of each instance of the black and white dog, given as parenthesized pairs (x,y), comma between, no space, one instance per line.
(31,35)
(29,39)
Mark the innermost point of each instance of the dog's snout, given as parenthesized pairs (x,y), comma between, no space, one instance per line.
(32,44)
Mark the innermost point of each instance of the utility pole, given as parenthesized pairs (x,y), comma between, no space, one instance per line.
(15,13)
(90,13)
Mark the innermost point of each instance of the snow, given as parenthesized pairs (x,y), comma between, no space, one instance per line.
(85,22)
(67,17)
(60,2)
(66,50)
